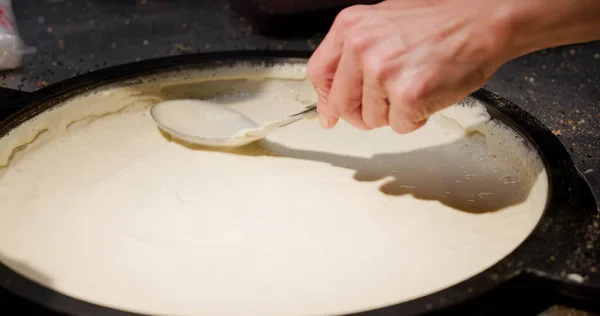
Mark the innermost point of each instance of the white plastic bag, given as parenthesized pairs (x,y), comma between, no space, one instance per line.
(11,46)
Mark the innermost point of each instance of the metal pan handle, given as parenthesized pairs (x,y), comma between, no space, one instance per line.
(12,101)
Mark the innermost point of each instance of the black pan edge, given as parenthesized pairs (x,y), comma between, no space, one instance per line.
(554,248)
(12,101)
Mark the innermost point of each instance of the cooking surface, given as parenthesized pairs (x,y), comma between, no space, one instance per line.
(560,86)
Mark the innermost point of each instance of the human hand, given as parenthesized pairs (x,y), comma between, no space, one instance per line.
(397,62)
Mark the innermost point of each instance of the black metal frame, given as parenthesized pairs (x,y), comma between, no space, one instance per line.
(556,246)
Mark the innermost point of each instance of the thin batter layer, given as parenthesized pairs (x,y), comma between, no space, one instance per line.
(98,204)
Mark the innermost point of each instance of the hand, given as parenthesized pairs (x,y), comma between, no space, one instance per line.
(397,62)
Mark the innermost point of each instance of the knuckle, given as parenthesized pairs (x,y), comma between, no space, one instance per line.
(354,99)
(339,108)
(377,69)
(407,117)
(415,114)
(413,87)
(312,69)
(410,103)
(405,95)
(350,15)
(359,43)
(320,79)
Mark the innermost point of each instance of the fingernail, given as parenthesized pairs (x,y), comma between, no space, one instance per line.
(322,121)
(325,123)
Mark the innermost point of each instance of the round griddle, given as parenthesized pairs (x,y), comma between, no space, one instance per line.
(564,244)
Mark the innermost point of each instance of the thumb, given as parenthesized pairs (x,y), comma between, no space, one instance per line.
(326,118)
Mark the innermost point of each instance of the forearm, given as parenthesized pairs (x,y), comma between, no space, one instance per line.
(539,24)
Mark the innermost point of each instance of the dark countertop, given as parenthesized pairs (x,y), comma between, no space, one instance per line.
(559,86)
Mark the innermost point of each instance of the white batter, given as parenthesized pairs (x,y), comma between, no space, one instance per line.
(312,222)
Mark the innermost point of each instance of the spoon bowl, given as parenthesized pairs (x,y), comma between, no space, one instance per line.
(208,124)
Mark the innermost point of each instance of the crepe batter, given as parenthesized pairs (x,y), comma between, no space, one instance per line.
(98,204)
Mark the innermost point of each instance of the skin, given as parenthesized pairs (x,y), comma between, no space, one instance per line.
(397,62)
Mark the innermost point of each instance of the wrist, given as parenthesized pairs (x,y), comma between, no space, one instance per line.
(537,24)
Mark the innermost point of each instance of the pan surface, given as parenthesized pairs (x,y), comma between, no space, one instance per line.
(102,207)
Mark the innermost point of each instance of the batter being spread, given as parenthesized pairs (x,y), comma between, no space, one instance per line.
(97,203)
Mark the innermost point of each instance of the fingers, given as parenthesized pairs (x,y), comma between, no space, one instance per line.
(384,65)
(403,122)
(409,104)
(346,93)
(375,102)
(321,69)
(375,108)
(369,81)
(415,95)
(323,64)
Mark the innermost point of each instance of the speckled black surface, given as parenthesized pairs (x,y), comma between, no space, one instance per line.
(561,86)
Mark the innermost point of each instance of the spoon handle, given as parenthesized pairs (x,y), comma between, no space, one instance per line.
(309,112)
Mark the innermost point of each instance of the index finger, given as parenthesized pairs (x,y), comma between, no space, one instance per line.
(321,69)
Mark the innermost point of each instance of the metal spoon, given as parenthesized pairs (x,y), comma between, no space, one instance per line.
(204,123)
